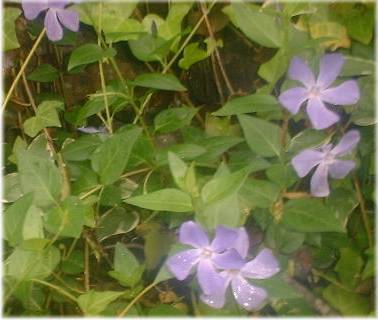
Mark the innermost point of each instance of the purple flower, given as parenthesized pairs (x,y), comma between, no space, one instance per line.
(204,253)
(325,159)
(56,16)
(317,91)
(236,270)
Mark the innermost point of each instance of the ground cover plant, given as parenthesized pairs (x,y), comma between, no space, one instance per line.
(188,159)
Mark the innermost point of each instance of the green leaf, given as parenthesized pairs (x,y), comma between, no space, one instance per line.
(349,267)
(305,139)
(178,169)
(44,73)
(310,215)
(247,104)
(74,264)
(12,188)
(116,221)
(158,81)
(216,146)
(272,70)
(277,288)
(363,112)
(172,119)
(94,302)
(165,310)
(67,219)
(169,199)
(82,148)
(150,48)
(262,136)
(348,303)
(192,54)
(127,269)
(283,240)
(355,66)
(109,160)
(257,25)
(33,224)
(225,185)
(40,176)
(14,218)
(88,53)
(46,116)
(25,265)
(9,28)
(259,193)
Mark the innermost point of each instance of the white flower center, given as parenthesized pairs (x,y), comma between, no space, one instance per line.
(314,92)
(329,158)
(233,272)
(206,253)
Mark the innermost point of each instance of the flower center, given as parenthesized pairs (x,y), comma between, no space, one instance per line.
(233,272)
(314,92)
(329,158)
(206,253)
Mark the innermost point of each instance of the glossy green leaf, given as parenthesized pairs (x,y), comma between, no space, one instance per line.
(109,160)
(257,25)
(169,199)
(348,303)
(9,28)
(247,104)
(40,176)
(310,215)
(94,302)
(158,81)
(263,137)
(67,219)
(25,265)
(82,148)
(14,217)
(44,73)
(88,53)
(116,221)
(172,119)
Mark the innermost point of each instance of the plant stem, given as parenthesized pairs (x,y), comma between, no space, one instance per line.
(364,213)
(23,67)
(128,307)
(56,288)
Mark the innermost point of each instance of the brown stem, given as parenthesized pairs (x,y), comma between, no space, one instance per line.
(364,213)
(205,12)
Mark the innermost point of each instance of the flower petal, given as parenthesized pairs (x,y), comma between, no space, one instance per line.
(54,30)
(340,168)
(248,296)
(347,143)
(242,243)
(209,279)
(224,238)
(293,98)
(69,18)
(319,115)
(191,233)
(329,68)
(300,71)
(263,266)
(345,94)
(230,259)
(217,300)
(57,4)
(319,181)
(182,262)
(33,9)
(306,160)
